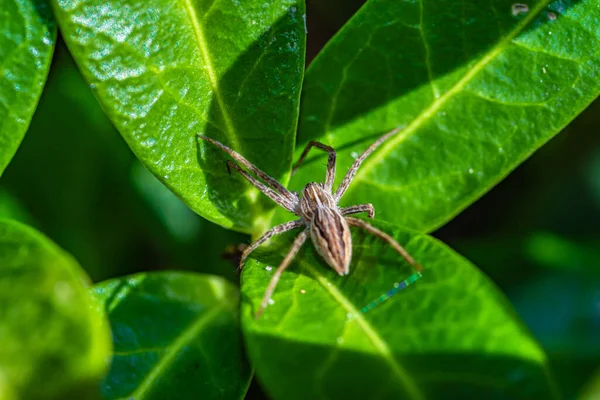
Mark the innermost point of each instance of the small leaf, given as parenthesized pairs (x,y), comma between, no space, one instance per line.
(476,88)
(55,340)
(451,334)
(176,336)
(27,36)
(167,71)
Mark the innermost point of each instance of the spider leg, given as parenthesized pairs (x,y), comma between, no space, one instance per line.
(330,161)
(298,242)
(382,235)
(272,194)
(288,226)
(354,168)
(272,182)
(358,209)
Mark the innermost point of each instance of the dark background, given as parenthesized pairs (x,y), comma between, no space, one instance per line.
(536,234)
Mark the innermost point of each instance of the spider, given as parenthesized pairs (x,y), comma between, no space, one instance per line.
(327,224)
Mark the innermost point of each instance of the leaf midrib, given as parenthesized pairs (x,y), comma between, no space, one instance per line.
(230,130)
(431,111)
(377,341)
(172,352)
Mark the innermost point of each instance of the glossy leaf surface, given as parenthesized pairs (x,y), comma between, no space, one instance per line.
(27,36)
(55,340)
(451,334)
(167,71)
(477,88)
(176,336)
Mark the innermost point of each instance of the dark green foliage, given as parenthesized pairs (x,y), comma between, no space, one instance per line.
(27,36)
(477,87)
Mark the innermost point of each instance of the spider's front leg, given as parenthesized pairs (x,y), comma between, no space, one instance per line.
(368,208)
(330,176)
(284,264)
(272,182)
(278,198)
(356,164)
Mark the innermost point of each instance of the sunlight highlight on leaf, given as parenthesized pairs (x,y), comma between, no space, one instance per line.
(168,71)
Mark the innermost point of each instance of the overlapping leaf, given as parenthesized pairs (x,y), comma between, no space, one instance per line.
(55,340)
(477,87)
(176,336)
(450,335)
(27,35)
(167,71)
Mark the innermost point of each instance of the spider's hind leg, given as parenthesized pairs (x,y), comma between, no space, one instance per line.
(288,226)
(387,238)
(298,242)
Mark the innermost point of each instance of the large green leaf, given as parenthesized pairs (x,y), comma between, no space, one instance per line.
(476,87)
(450,335)
(176,336)
(166,71)
(55,340)
(27,36)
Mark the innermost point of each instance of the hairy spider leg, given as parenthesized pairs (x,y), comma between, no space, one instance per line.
(330,173)
(298,242)
(288,226)
(272,182)
(354,168)
(387,238)
(368,208)
(272,194)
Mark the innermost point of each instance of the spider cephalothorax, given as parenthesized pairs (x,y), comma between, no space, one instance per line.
(327,224)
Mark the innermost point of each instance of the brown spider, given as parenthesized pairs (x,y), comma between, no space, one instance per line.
(318,210)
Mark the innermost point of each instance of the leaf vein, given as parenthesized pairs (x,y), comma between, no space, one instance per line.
(212,75)
(171,354)
(377,341)
(434,88)
(545,52)
(431,111)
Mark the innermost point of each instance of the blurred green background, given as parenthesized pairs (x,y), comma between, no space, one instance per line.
(537,234)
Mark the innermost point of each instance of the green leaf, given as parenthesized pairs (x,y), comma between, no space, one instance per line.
(55,339)
(11,208)
(176,336)
(592,388)
(451,334)
(476,88)
(167,71)
(27,36)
